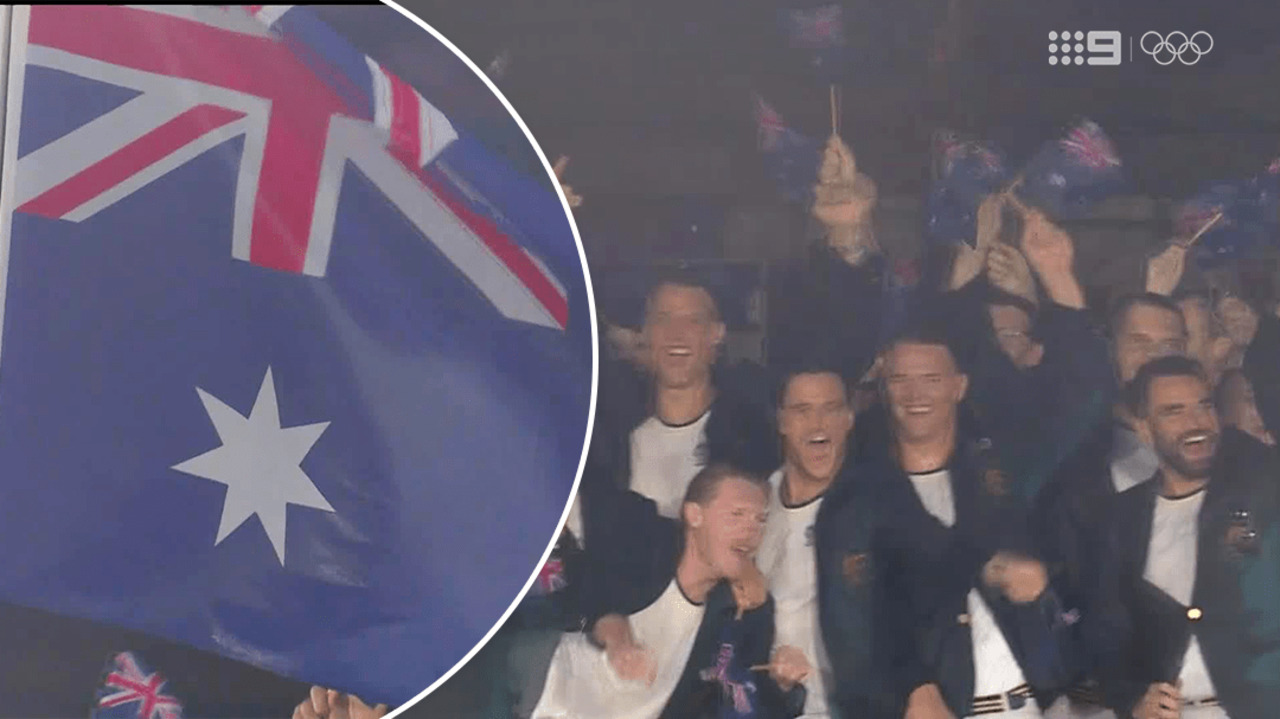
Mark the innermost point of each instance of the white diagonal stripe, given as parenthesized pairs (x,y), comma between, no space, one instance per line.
(269,15)
(164,97)
(435,133)
(166,164)
(356,140)
(381,95)
(55,163)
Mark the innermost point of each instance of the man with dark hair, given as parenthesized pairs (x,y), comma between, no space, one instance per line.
(814,420)
(666,407)
(1112,458)
(950,552)
(691,416)
(1012,321)
(670,641)
(1143,327)
(1179,628)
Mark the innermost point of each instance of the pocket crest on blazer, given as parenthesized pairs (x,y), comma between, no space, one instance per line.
(856,568)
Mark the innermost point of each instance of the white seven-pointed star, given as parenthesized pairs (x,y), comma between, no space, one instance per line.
(259,461)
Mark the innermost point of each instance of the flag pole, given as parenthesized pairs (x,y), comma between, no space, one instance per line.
(835,115)
(8,138)
(6,30)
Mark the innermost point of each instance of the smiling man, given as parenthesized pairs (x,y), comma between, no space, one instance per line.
(814,419)
(1186,618)
(954,533)
(672,642)
(698,411)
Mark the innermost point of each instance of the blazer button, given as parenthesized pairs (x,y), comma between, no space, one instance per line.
(962,619)
(1194,614)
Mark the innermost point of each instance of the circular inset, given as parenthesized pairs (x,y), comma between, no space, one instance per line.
(1079,60)
(1053,35)
(1053,47)
(1053,59)
(1079,35)
(1079,47)
(369,412)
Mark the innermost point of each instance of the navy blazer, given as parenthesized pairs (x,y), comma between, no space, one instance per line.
(862,626)
(647,549)
(899,628)
(1140,634)
(940,565)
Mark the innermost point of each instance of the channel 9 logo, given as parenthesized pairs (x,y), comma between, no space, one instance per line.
(1106,47)
(1103,47)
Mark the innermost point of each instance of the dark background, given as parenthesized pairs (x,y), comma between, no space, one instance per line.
(651,98)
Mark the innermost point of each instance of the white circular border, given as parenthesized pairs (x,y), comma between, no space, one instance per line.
(595,355)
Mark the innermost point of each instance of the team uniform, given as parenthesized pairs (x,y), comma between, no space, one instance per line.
(996,672)
(1171,568)
(703,652)
(664,459)
(788,560)
(1186,594)
(583,685)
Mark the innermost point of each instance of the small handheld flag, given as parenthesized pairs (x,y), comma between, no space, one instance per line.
(131,690)
(1069,175)
(791,158)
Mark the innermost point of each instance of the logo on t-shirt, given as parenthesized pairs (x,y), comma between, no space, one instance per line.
(808,536)
(737,694)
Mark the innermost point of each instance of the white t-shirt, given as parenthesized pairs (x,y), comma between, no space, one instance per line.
(664,459)
(581,684)
(1171,566)
(789,562)
(995,669)
(1132,460)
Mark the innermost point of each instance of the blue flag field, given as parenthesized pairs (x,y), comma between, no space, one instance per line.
(292,369)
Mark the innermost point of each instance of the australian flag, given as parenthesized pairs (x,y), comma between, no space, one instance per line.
(1250,217)
(818,33)
(130,690)
(791,158)
(1069,175)
(965,173)
(291,369)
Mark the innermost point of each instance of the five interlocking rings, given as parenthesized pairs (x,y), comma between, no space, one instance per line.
(1166,47)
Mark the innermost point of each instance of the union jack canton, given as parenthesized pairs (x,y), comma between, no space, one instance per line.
(131,691)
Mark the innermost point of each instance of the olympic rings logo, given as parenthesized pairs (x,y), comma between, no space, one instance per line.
(1177,46)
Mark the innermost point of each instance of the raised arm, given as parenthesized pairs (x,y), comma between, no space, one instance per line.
(837,304)
(1075,385)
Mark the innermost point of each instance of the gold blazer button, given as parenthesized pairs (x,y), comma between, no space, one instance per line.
(1194,613)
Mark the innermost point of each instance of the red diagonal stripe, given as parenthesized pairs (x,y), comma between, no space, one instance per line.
(406,123)
(129,160)
(507,251)
(168,45)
